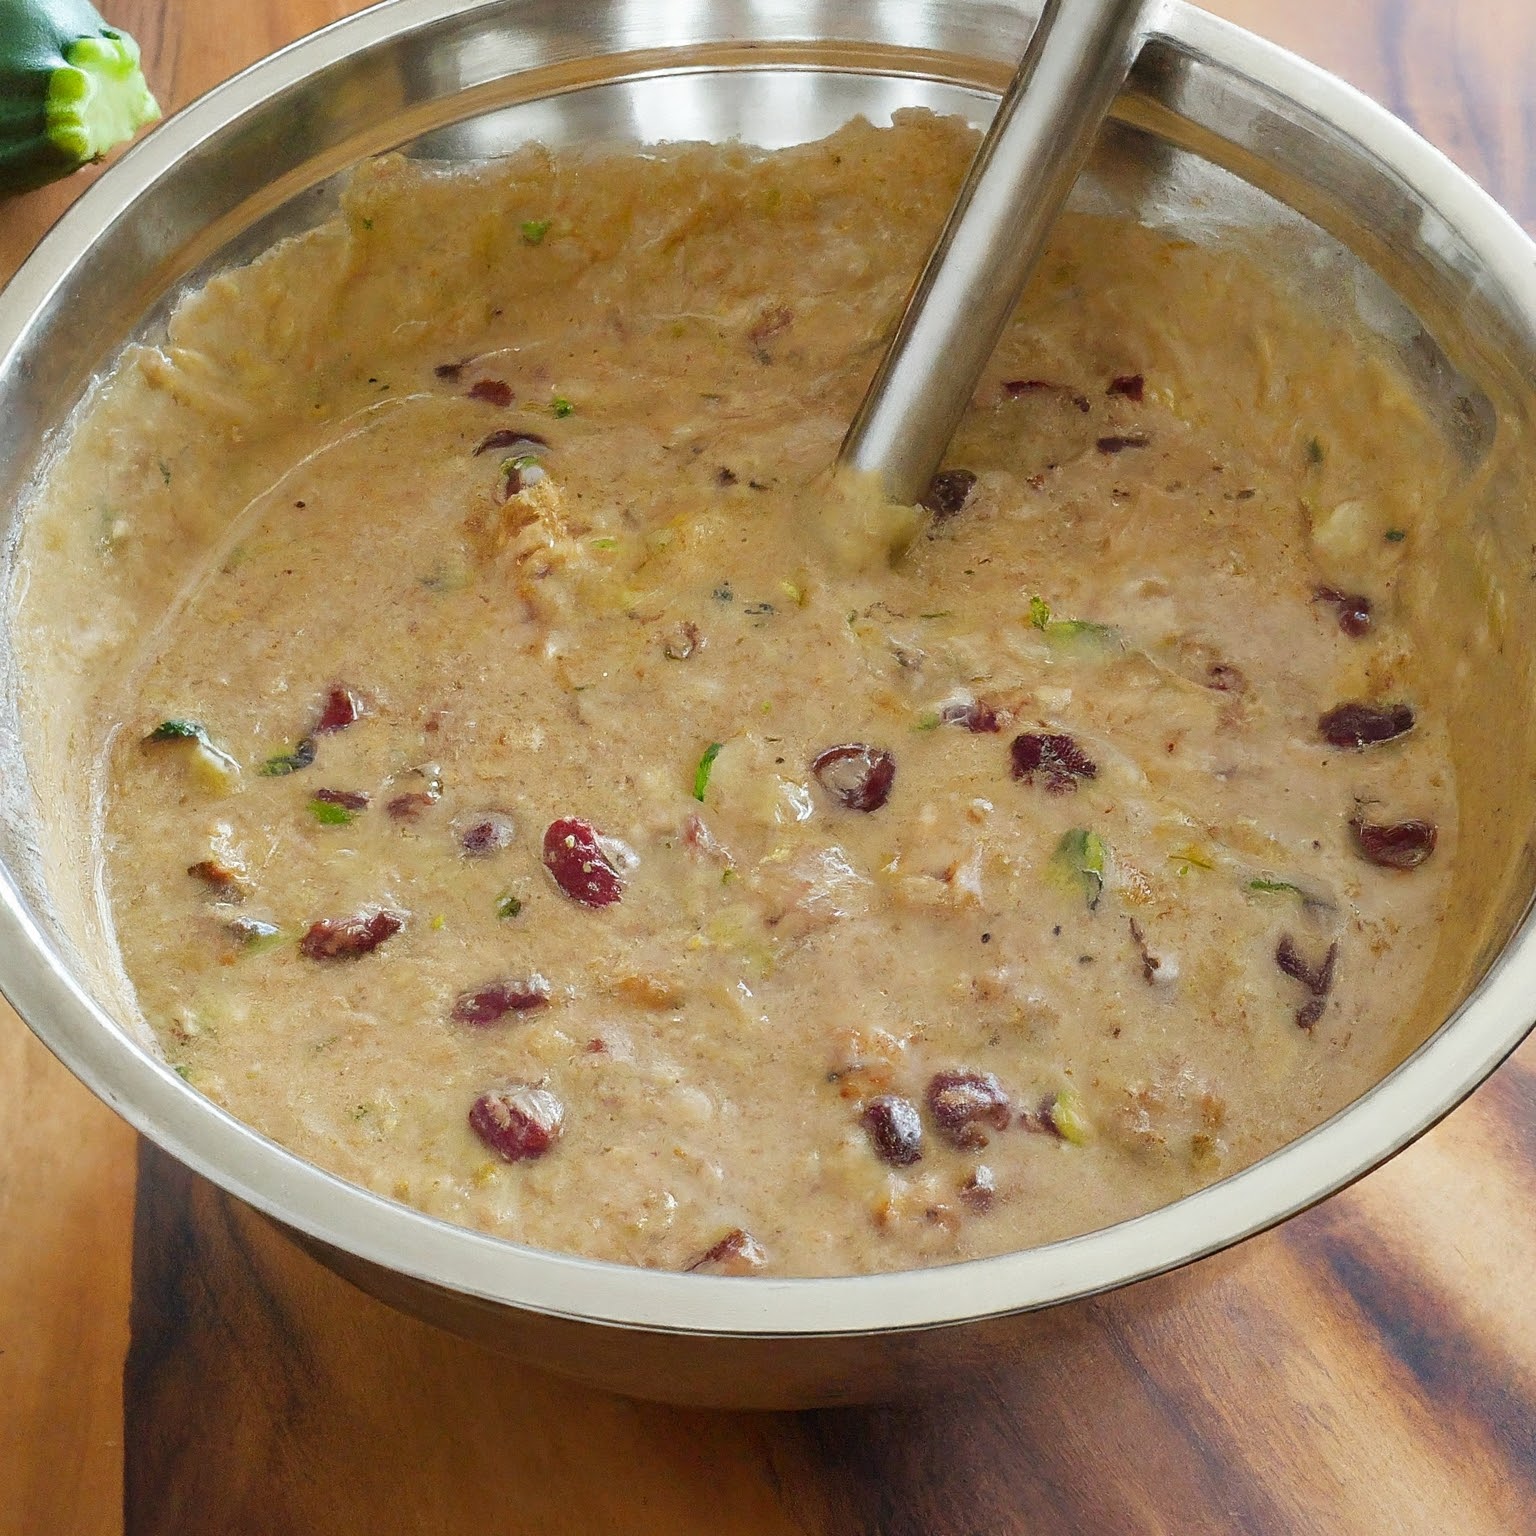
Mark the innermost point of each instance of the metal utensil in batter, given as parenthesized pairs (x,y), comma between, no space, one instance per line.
(1078,58)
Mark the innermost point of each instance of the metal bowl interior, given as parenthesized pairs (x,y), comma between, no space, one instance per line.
(1219,136)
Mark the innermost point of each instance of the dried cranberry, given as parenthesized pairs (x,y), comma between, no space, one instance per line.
(1365,725)
(948,492)
(1120,441)
(1014,388)
(773,320)
(491,391)
(683,641)
(855,775)
(895,1129)
(980,1189)
(1317,979)
(1131,385)
(492,1003)
(342,708)
(483,833)
(575,859)
(1057,759)
(345,938)
(1046,1117)
(518,1121)
(973,715)
(408,807)
(511,439)
(1353,610)
(348,799)
(737,1253)
(959,1100)
(1394,845)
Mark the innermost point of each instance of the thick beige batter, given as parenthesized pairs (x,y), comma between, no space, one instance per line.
(524,467)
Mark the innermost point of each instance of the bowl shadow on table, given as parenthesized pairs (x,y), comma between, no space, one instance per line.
(264,1393)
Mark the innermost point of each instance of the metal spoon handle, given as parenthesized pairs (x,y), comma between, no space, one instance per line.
(1077,60)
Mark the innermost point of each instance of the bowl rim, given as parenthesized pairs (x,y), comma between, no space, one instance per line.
(1480,1033)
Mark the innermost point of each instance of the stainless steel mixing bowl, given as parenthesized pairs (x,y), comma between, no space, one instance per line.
(1219,134)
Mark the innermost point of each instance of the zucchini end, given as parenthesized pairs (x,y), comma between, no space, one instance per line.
(98,98)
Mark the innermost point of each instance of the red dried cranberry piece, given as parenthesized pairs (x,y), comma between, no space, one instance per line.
(408,807)
(483,833)
(348,799)
(1353,610)
(575,859)
(1058,760)
(855,775)
(491,391)
(510,439)
(737,1253)
(948,492)
(492,1003)
(1394,845)
(1131,385)
(980,1189)
(895,1128)
(1223,677)
(342,708)
(518,1121)
(1045,1118)
(974,716)
(346,938)
(1317,979)
(1118,442)
(1014,388)
(960,1102)
(773,320)
(1365,725)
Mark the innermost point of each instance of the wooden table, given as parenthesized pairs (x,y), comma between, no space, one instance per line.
(168,1366)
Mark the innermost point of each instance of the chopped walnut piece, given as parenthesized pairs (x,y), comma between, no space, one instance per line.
(648,991)
(948,492)
(225,884)
(737,1253)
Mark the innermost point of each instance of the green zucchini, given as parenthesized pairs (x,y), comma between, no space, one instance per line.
(70,89)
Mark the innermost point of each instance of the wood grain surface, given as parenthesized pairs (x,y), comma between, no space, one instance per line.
(1370,1368)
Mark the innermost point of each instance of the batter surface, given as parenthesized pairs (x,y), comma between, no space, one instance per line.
(548,806)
